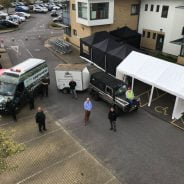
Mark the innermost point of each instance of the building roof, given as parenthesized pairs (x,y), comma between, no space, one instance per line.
(179,41)
(70,67)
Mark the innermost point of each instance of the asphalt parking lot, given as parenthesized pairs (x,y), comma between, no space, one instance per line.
(144,150)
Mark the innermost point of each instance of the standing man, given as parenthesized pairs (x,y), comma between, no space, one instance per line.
(30,97)
(72,85)
(45,86)
(87,108)
(40,119)
(130,95)
(112,118)
(11,108)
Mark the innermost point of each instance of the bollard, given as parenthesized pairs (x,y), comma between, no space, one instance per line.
(13,39)
(39,37)
(26,38)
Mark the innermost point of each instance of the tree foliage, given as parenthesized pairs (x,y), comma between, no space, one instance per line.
(8,147)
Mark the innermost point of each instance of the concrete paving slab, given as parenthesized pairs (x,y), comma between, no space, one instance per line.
(79,168)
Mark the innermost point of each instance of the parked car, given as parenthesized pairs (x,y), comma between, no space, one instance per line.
(22,9)
(58,19)
(39,9)
(1,7)
(13,4)
(8,23)
(55,8)
(16,18)
(54,13)
(23,14)
(20,4)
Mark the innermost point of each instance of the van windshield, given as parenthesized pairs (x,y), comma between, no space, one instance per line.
(120,91)
(7,89)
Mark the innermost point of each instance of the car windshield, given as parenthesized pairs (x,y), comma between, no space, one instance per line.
(7,89)
(121,91)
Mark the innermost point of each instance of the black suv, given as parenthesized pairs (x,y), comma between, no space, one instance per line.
(112,90)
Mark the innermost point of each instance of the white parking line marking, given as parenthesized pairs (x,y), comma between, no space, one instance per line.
(154,99)
(38,137)
(50,166)
(29,52)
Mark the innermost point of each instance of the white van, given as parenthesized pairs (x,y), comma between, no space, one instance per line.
(20,79)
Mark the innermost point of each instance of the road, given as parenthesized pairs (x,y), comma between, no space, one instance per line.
(144,150)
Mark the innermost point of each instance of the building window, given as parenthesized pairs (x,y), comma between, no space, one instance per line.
(135,9)
(154,35)
(182,51)
(148,34)
(67,31)
(143,34)
(182,32)
(165,10)
(82,10)
(75,32)
(146,7)
(152,7)
(73,6)
(158,8)
(99,11)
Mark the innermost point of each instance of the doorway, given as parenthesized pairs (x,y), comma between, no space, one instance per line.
(160,42)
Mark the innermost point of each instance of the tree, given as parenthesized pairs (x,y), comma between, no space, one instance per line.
(6,4)
(8,147)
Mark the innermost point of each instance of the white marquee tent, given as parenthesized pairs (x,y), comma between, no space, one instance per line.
(158,73)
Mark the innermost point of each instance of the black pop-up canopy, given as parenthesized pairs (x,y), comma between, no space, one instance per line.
(115,57)
(90,40)
(100,50)
(127,35)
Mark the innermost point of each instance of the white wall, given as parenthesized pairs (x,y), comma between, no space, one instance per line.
(89,22)
(171,26)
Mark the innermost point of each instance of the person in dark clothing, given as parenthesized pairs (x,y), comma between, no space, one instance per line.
(40,119)
(11,108)
(72,85)
(112,118)
(45,86)
(30,97)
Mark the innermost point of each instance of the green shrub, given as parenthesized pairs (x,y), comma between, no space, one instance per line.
(8,147)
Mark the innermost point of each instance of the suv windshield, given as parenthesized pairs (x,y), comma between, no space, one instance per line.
(7,89)
(121,91)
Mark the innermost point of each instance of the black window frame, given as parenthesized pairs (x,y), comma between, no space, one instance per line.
(143,33)
(164,14)
(154,36)
(146,7)
(73,7)
(137,6)
(152,7)
(106,16)
(74,32)
(148,34)
(157,8)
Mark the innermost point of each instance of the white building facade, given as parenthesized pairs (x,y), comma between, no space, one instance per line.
(160,22)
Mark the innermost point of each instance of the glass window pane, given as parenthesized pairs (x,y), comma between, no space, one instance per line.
(99,11)
(82,10)
(165,10)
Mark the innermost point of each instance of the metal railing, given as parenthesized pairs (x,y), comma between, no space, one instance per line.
(61,46)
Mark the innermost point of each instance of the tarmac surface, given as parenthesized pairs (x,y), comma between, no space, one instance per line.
(51,157)
(145,149)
